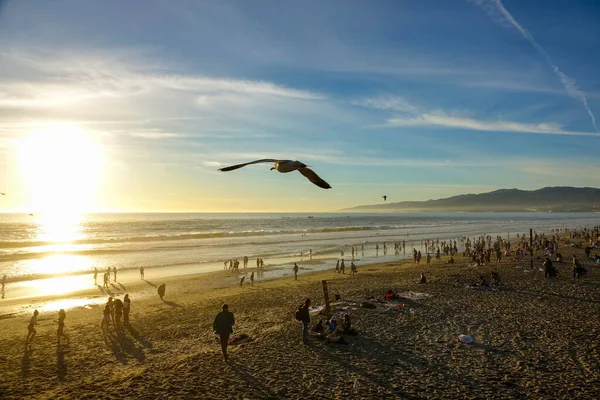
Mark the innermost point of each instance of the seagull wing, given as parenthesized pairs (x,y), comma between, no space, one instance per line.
(314,178)
(231,168)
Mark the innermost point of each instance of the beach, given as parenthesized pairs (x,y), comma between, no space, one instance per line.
(534,338)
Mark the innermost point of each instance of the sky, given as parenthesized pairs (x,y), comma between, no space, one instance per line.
(133,106)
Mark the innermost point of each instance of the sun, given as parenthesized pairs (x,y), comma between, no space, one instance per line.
(62,167)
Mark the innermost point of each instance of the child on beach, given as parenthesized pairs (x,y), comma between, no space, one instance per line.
(242,280)
(61,326)
(422,279)
(252,279)
(161,290)
(31,327)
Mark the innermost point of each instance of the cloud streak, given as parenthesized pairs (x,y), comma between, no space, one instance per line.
(496,10)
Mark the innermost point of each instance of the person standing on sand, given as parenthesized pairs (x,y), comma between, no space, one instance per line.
(142,273)
(252,279)
(118,305)
(343,267)
(337,266)
(115,274)
(95,275)
(223,326)
(161,290)
(310,254)
(61,326)
(295,271)
(126,309)
(31,327)
(428,260)
(305,318)
(245,261)
(242,280)
(105,317)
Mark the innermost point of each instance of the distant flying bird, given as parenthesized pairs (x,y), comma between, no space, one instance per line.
(285,166)
(31,215)
(3,194)
(384,197)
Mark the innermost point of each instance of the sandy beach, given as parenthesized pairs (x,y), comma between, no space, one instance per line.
(534,338)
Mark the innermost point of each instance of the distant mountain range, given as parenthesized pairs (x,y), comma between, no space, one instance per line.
(548,199)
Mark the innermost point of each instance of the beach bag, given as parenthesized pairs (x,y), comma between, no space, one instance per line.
(298,314)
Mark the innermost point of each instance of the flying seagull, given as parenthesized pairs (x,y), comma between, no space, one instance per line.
(3,194)
(384,197)
(285,166)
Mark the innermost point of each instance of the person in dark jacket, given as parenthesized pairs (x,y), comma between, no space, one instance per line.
(161,290)
(223,326)
(305,318)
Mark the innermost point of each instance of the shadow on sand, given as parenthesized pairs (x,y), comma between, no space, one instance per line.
(61,365)
(171,303)
(122,346)
(150,283)
(26,361)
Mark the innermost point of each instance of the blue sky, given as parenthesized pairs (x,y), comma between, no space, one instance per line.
(412,99)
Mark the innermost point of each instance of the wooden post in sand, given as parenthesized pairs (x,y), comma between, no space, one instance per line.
(531,249)
(326,294)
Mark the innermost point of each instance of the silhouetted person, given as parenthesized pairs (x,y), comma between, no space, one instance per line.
(115,273)
(118,305)
(252,279)
(223,326)
(549,270)
(242,280)
(141,272)
(126,309)
(495,279)
(305,318)
(95,276)
(161,290)
(61,326)
(295,270)
(422,279)
(105,317)
(31,327)
(353,268)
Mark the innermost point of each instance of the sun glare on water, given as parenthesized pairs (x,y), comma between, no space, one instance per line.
(62,167)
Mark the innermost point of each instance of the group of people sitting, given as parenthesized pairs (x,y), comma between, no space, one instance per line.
(332,331)
(481,282)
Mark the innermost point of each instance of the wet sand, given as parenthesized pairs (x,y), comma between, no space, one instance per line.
(534,338)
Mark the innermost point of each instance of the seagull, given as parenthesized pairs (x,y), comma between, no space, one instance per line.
(285,166)
(3,194)
(384,197)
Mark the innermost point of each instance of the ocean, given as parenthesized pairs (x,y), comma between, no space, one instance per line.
(33,247)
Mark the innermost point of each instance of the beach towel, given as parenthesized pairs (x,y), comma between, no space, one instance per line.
(239,339)
(414,295)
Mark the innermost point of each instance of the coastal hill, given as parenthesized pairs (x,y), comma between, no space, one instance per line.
(548,199)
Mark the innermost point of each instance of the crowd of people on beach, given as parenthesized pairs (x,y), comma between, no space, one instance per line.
(116,312)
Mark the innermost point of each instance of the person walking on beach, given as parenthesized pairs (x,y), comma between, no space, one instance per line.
(31,327)
(223,326)
(142,273)
(310,254)
(304,316)
(161,290)
(337,266)
(343,267)
(353,268)
(115,274)
(245,261)
(242,280)
(106,280)
(95,275)
(428,260)
(61,326)
(126,309)
(295,271)
(252,279)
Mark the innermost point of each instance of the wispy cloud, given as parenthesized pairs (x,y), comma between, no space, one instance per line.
(496,10)
(442,120)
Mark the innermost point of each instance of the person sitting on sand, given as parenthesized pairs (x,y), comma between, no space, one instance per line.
(390,295)
(559,257)
(31,332)
(161,290)
(481,282)
(347,325)
(422,279)
(495,279)
(451,260)
(319,328)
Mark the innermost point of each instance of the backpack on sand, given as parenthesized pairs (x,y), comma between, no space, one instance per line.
(298,314)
